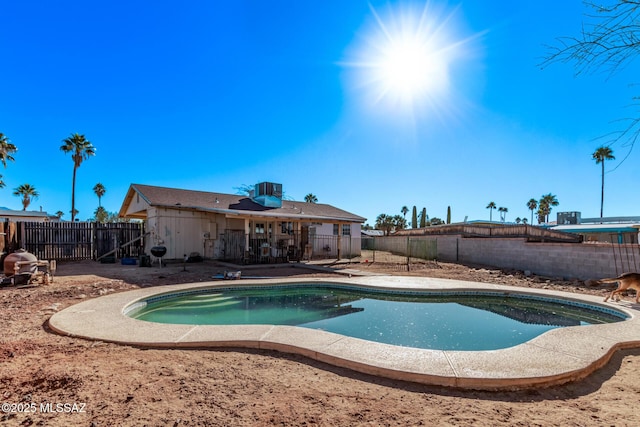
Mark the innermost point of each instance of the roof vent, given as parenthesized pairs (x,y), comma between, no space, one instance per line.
(268,194)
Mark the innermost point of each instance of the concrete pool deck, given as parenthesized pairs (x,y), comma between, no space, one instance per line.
(555,357)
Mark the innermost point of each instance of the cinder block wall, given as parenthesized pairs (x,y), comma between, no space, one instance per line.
(568,260)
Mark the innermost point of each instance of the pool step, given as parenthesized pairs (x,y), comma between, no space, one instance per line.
(193,305)
(202,300)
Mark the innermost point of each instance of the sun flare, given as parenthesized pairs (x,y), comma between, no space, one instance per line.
(404,59)
(411,69)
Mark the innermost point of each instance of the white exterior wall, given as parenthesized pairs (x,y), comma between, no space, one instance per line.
(324,229)
(137,204)
(356,239)
(182,232)
(349,245)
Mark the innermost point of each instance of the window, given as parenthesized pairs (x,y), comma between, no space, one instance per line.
(346,229)
(286,228)
(259,228)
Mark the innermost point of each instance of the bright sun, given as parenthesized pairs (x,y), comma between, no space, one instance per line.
(405,59)
(411,69)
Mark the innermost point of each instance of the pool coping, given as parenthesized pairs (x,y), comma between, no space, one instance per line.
(555,357)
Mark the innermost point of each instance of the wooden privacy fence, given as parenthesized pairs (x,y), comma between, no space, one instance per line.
(530,232)
(73,240)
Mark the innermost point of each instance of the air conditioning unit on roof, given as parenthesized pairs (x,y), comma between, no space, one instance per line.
(268,194)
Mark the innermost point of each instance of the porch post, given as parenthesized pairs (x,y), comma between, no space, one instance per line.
(339,241)
(247,233)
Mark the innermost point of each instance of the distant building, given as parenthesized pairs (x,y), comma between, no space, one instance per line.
(33,216)
(621,229)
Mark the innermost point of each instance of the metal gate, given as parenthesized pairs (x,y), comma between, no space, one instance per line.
(626,255)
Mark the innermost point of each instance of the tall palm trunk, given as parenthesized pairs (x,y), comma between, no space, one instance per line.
(73,195)
(602,193)
(80,150)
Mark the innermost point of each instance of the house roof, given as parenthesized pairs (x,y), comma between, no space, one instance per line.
(10,213)
(231,204)
(598,228)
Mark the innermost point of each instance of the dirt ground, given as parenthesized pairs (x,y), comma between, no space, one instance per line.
(51,380)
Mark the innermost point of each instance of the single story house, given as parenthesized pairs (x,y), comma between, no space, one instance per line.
(623,229)
(254,228)
(604,233)
(29,216)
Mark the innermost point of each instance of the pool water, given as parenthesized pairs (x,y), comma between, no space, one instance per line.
(444,322)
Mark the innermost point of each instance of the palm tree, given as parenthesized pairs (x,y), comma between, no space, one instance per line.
(28,193)
(2,184)
(600,155)
(491,206)
(532,204)
(80,149)
(399,222)
(404,211)
(385,222)
(59,214)
(6,150)
(518,220)
(99,190)
(310,198)
(525,220)
(545,204)
(503,213)
(101,214)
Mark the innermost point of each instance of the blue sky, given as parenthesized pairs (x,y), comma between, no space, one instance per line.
(211,95)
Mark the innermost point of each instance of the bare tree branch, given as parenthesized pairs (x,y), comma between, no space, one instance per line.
(609,44)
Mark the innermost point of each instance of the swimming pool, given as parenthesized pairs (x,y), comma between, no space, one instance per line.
(466,321)
(555,357)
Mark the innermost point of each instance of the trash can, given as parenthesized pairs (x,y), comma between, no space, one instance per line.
(145,260)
